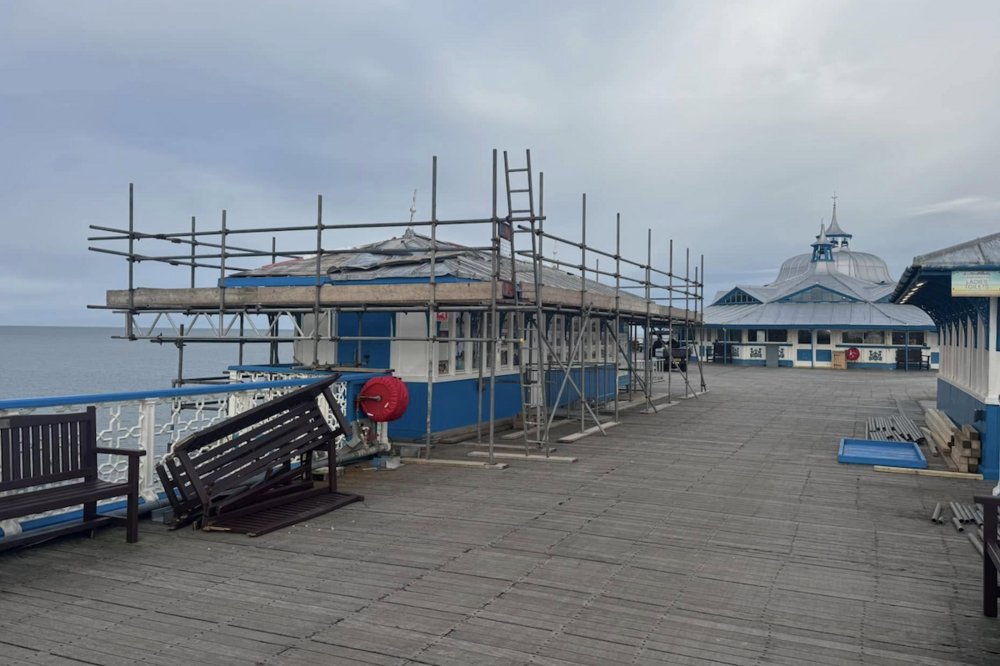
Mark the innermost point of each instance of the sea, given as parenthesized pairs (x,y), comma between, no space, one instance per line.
(47,361)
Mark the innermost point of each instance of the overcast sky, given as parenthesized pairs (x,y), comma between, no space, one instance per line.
(725,126)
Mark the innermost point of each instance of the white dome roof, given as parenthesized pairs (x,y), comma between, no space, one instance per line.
(859,265)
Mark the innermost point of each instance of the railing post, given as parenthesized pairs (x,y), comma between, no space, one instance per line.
(147,442)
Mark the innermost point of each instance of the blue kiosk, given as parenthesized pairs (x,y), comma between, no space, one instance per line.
(958,287)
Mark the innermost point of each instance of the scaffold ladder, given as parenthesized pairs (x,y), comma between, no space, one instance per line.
(520,205)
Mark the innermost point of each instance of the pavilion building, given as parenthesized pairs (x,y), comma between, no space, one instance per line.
(830,299)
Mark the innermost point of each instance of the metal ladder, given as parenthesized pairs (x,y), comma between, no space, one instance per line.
(520,204)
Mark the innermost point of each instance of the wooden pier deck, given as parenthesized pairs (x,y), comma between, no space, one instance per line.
(719,531)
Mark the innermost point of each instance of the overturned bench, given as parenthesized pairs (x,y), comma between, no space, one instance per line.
(253,473)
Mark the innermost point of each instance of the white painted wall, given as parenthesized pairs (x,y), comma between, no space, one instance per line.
(974,368)
(303,350)
(881,354)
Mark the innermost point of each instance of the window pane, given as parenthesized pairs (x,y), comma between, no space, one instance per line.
(751,336)
(822,337)
(777,335)
(917,338)
(854,337)
(899,337)
(874,337)
(805,337)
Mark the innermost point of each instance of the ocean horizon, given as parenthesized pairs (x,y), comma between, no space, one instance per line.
(47,361)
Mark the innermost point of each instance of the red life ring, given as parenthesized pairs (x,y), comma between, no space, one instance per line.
(853,354)
(384,399)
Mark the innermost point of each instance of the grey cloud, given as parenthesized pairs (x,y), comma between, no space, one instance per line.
(725,126)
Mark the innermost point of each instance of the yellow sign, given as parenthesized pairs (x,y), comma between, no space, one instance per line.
(975,283)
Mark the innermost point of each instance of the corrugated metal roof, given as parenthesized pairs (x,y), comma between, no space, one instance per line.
(859,265)
(818,315)
(983,251)
(408,256)
(856,275)
(818,275)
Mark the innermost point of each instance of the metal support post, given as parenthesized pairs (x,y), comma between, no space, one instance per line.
(131,262)
(222,277)
(494,330)
(432,310)
(584,321)
(319,278)
(194,245)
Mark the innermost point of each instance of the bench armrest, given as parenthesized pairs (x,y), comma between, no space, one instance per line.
(131,453)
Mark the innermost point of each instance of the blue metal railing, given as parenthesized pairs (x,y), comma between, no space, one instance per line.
(89,399)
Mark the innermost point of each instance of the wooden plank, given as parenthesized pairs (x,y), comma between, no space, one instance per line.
(454,463)
(521,456)
(504,447)
(518,434)
(928,472)
(572,437)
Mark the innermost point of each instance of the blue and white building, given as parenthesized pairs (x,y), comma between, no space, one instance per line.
(969,374)
(391,278)
(830,299)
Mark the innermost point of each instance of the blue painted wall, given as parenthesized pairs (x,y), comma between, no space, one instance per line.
(824,355)
(804,354)
(455,405)
(961,407)
(757,361)
(600,381)
(935,358)
(374,324)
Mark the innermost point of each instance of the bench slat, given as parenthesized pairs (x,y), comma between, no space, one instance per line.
(14,506)
(292,444)
(213,459)
(275,439)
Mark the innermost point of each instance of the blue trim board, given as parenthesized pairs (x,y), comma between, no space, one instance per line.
(961,407)
(761,362)
(87,399)
(892,454)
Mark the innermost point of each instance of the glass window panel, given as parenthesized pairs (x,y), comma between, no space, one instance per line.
(874,337)
(853,337)
(460,321)
(822,337)
(805,337)
(777,335)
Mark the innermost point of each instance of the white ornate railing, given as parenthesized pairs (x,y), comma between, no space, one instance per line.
(153,421)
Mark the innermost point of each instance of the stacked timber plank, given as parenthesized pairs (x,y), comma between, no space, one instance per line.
(893,429)
(960,446)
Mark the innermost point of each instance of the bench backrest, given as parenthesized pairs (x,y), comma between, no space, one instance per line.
(47,448)
(231,453)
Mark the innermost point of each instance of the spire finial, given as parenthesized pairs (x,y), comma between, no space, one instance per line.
(823,247)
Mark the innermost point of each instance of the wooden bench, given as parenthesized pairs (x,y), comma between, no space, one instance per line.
(913,359)
(991,554)
(60,449)
(253,473)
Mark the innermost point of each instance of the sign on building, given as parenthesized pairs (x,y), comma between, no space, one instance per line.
(975,283)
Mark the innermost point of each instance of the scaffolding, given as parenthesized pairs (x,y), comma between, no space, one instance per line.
(539,293)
